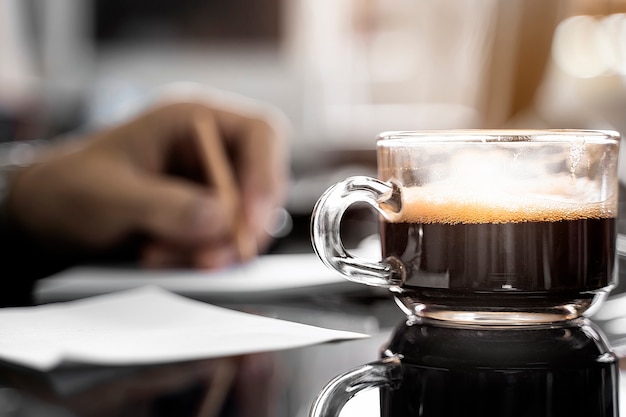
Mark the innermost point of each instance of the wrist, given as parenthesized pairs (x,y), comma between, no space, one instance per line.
(14,157)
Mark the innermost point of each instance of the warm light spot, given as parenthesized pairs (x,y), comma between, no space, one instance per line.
(581,47)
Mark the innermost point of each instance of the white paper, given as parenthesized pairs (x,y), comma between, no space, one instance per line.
(269,276)
(147,325)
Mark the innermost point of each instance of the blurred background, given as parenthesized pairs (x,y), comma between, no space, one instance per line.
(342,70)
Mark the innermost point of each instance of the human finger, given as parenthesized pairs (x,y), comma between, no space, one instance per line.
(258,143)
(177,211)
(209,256)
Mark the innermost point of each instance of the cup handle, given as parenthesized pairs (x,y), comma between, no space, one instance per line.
(325,230)
(330,401)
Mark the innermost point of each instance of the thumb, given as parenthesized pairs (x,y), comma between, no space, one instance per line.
(180,211)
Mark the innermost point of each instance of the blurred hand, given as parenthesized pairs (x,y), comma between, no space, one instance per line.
(148,176)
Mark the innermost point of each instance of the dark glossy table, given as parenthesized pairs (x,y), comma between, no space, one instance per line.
(280,384)
(290,378)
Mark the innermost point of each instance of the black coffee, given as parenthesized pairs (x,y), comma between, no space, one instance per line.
(555,372)
(468,249)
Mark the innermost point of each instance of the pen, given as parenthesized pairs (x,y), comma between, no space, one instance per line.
(220,172)
(223,378)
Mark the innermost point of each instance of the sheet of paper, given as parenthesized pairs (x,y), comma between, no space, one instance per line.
(268,277)
(147,325)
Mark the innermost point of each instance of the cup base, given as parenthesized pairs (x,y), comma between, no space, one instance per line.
(503,310)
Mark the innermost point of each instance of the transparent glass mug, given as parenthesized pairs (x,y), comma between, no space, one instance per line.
(498,227)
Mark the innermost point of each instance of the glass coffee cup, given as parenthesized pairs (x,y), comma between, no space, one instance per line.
(495,227)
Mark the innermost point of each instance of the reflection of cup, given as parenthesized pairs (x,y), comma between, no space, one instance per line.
(432,369)
(495,227)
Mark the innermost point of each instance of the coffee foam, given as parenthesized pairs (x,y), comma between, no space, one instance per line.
(453,205)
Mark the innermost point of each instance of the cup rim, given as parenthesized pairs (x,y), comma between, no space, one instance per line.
(402,137)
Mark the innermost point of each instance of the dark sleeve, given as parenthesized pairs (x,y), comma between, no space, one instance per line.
(22,262)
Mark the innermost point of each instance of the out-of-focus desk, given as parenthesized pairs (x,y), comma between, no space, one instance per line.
(164,390)
(177,389)
(295,287)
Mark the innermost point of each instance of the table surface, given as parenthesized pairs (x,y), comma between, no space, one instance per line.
(302,372)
